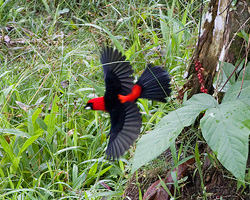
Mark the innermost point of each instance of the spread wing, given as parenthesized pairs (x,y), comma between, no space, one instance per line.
(125,128)
(117,72)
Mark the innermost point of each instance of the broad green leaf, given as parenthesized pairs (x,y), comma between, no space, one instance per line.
(233,91)
(224,129)
(167,130)
(202,101)
(244,35)
(247,73)
(228,68)
(93,169)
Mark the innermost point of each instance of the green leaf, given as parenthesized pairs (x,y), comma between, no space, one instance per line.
(134,48)
(36,114)
(39,101)
(28,143)
(47,8)
(67,149)
(226,128)
(7,148)
(63,11)
(244,35)
(30,124)
(164,27)
(79,181)
(14,132)
(3,74)
(74,173)
(15,164)
(52,119)
(228,68)
(41,123)
(93,169)
(225,132)
(104,171)
(7,90)
(202,101)
(233,91)
(246,73)
(72,25)
(167,130)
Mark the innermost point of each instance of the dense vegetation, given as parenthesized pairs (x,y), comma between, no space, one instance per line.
(50,147)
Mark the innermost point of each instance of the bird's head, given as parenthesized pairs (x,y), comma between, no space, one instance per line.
(89,106)
(96,104)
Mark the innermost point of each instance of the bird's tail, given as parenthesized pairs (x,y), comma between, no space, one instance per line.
(154,82)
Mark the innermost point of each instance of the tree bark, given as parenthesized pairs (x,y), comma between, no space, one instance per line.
(218,41)
(239,19)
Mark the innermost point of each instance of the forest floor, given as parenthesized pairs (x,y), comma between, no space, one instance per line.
(217,184)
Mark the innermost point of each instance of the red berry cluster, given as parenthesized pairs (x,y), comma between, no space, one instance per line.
(199,69)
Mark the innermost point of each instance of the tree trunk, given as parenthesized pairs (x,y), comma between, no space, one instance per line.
(218,41)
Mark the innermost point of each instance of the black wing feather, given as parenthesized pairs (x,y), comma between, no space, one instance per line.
(125,128)
(125,118)
(117,72)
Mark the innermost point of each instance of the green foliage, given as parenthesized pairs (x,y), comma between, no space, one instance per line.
(168,129)
(225,127)
(241,73)
(50,148)
(198,162)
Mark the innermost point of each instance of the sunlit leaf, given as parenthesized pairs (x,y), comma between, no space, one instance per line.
(167,130)
(226,129)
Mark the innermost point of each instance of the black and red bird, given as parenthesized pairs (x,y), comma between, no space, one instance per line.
(121,95)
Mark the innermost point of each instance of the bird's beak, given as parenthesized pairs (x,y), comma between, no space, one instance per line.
(87,108)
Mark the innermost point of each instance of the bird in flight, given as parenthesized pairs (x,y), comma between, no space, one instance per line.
(121,95)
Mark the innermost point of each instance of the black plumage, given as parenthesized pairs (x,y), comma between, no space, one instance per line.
(125,118)
(121,95)
(155,83)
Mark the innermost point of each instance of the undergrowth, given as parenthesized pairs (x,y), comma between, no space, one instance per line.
(50,147)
